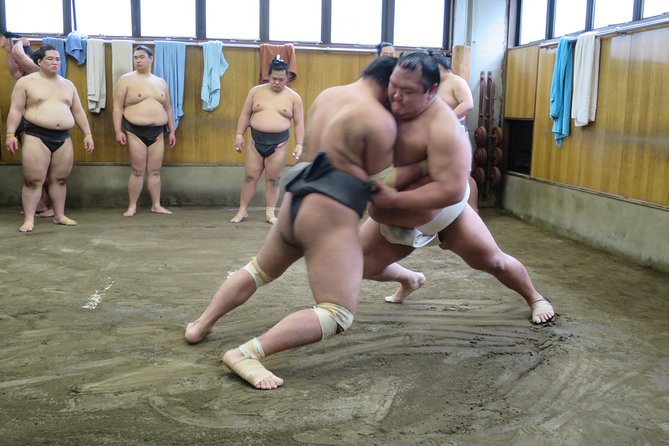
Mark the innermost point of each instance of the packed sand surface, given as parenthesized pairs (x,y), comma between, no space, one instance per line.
(92,320)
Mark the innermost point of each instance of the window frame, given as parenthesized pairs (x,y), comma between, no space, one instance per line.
(387,24)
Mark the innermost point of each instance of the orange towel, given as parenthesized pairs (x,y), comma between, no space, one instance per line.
(287,54)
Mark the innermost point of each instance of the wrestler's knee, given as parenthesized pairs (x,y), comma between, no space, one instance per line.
(493,264)
(259,276)
(333,318)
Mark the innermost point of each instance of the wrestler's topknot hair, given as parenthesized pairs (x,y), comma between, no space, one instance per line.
(380,69)
(277,65)
(443,60)
(41,52)
(144,48)
(381,46)
(429,68)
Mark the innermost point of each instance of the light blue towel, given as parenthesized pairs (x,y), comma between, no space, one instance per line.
(215,66)
(59,44)
(170,64)
(561,89)
(75,46)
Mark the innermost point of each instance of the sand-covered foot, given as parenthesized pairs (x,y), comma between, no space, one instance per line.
(271,219)
(416,281)
(160,210)
(239,217)
(65,221)
(46,213)
(542,311)
(27,226)
(132,210)
(195,332)
(251,370)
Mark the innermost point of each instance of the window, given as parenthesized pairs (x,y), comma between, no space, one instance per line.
(295,20)
(34,16)
(356,22)
(419,24)
(653,7)
(532,20)
(94,17)
(607,13)
(242,24)
(174,18)
(569,16)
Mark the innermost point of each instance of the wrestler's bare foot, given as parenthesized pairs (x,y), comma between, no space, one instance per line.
(132,210)
(415,281)
(27,226)
(542,311)
(47,213)
(271,219)
(251,370)
(65,221)
(196,332)
(239,217)
(160,210)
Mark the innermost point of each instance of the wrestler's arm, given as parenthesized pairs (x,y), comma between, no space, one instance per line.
(464,97)
(244,119)
(80,118)
(11,62)
(298,123)
(120,91)
(16,110)
(171,136)
(380,139)
(449,162)
(23,62)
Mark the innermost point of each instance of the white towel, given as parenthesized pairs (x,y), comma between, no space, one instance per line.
(121,58)
(586,79)
(96,80)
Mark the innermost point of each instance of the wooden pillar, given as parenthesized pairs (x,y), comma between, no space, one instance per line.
(461,61)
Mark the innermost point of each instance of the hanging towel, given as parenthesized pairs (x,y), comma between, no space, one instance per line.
(561,90)
(75,46)
(121,58)
(170,64)
(96,80)
(59,44)
(586,79)
(215,66)
(287,54)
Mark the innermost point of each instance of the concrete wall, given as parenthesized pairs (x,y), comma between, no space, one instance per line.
(635,231)
(107,186)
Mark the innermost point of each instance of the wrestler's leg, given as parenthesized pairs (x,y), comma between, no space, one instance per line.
(274,165)
(473,194)
(380,257)
(334,268)
(153,165)
(469,238)
(35,158)
(138,161)
(253,167)
(274,257)
(59,171)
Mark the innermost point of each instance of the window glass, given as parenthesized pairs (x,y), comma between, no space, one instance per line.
(34,16)
(651,7)
(103,18)
(569,16)
(169,18)
(419,24)
(356,22)
(244,24)
(609,12)
(295,20)
(533,20)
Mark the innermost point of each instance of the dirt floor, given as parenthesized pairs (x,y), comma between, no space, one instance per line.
(92,320)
